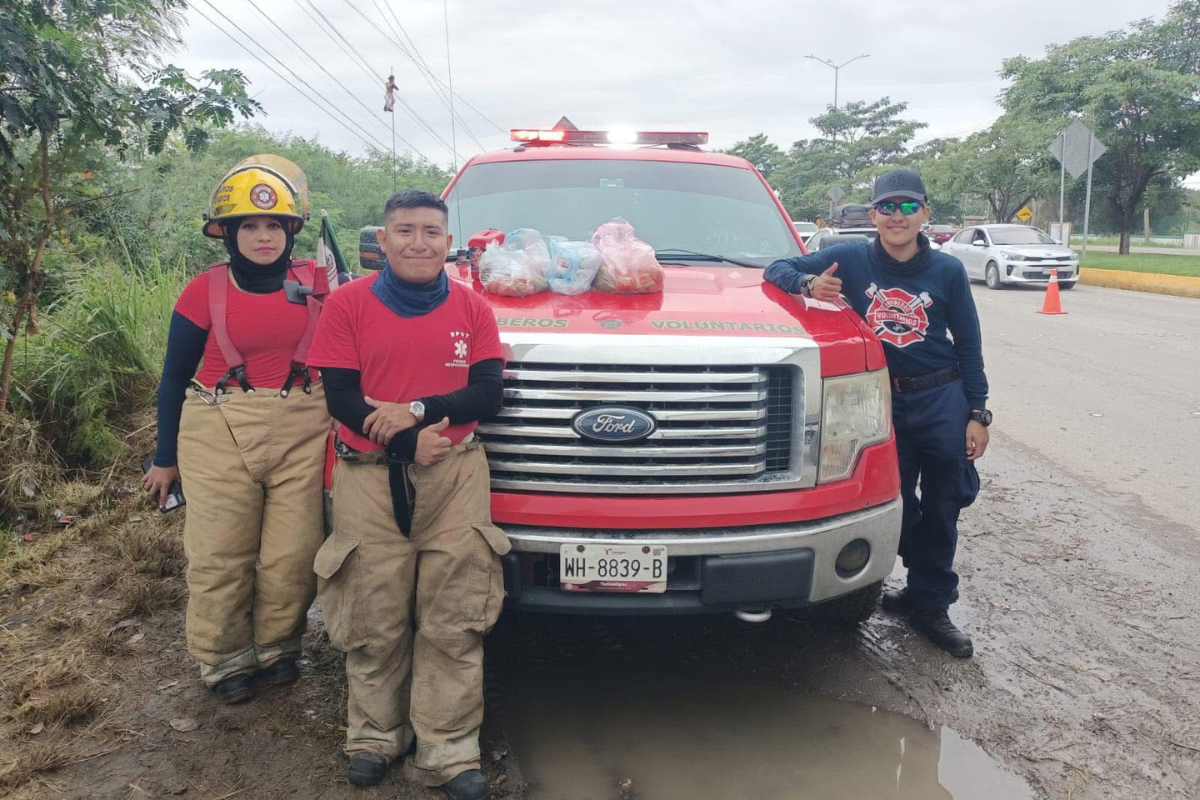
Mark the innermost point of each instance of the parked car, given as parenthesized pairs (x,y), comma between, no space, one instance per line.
(1004,254)
(828,237)
(805,229)
(940,234)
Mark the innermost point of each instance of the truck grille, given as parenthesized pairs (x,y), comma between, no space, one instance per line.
(719,428)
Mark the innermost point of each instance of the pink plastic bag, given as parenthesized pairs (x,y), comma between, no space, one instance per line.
(630,266)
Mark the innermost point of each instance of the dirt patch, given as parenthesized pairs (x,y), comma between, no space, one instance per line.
(1084,683)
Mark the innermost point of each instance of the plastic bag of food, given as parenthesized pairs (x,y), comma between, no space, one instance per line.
(629,264)
(516,268)
(573,265)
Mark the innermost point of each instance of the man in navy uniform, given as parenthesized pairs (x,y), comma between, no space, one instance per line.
(919,303)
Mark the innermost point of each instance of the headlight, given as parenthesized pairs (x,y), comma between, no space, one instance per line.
(856,412)
(1012,256)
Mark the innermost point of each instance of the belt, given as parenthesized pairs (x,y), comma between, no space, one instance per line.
(939,378)
(346,453)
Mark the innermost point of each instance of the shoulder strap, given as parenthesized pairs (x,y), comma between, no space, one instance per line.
(309,275)
(218,305)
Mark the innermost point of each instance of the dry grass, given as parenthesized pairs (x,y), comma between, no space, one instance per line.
(32,760)
(145,597)
(30,467)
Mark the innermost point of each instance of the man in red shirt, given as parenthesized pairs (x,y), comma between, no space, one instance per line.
(410,579)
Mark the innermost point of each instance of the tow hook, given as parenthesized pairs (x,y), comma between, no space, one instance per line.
(749,615)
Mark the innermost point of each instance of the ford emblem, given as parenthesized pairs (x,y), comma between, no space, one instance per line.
(613,424)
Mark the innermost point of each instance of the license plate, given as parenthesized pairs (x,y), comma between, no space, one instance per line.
(612,568)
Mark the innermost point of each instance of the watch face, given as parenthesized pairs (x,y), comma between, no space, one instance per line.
(418,409)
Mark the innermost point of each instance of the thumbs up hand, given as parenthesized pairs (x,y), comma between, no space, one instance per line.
(432,447)
(826,287)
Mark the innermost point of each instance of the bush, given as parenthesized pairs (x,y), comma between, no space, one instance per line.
(98,358)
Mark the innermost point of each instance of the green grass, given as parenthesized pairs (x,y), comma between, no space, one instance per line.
(1137,240)
(1138,262)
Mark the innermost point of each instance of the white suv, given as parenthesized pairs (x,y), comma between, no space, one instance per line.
(1004,254)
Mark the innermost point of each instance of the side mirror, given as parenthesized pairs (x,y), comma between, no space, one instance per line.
(978,243)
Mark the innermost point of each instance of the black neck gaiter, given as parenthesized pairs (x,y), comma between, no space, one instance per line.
(257,278)
(914,265)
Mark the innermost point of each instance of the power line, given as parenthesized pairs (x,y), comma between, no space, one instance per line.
(450,75)
(407,54)
(411,111)
(285,80)
(331,76)
(461,99)
(424,68)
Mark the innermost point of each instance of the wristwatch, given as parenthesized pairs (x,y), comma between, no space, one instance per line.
(806,284)
(417,409)
(983,417)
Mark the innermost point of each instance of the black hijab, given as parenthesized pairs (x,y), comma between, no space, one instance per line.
(257,278)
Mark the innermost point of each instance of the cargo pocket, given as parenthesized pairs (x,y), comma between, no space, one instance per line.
(966,480)
(499,544)
(338,590)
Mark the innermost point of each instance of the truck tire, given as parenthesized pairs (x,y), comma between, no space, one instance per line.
(845,611)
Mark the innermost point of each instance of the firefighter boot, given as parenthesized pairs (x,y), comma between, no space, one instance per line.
(366,769)
(937,626)
(469,785)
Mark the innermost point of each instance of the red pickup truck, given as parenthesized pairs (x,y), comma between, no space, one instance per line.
(717,446)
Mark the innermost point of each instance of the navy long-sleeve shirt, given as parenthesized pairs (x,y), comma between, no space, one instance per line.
(921,309)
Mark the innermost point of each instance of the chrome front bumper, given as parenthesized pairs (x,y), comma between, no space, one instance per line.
(824,538)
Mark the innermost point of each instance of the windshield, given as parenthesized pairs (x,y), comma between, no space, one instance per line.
(1019,236)
(673,206)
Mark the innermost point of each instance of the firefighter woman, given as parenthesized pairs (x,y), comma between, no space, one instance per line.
(246,433)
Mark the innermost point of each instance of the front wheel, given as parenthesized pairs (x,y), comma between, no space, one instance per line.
(845,611)
(993,276)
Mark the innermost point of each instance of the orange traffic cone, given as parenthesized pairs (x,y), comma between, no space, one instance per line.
(1052,305)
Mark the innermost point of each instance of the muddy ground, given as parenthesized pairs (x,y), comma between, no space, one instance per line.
(1079,572)
(1084,681)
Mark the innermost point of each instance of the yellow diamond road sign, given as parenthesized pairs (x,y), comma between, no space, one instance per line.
(1024,214)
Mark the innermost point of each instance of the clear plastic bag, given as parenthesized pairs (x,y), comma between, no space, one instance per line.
(630,266)
(516,268)
(573,265)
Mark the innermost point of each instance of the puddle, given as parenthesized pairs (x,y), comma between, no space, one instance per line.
(614,737)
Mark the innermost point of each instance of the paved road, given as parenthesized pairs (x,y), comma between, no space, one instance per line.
(1111,391)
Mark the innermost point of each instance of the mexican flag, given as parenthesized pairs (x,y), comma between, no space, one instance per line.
(329,255)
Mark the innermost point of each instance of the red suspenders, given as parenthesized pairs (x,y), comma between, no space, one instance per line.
(309,277)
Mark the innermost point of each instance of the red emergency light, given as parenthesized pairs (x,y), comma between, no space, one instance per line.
(556,136)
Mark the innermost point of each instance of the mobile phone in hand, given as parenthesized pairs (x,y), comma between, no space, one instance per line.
(174,493)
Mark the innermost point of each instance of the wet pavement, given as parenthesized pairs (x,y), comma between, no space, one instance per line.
(608,728)
(1078,566)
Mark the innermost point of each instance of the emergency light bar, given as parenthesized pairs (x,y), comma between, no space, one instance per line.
(608,137)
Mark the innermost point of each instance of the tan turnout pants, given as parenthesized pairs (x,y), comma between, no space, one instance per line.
(411,612)
(251,468)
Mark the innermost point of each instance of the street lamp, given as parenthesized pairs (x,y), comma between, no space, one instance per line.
(836,68)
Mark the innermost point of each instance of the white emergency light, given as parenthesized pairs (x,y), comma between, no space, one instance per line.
(534,136)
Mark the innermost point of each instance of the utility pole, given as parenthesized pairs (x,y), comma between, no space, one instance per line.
(836,69)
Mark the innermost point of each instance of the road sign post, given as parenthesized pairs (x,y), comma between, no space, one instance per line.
(834,194)
(1077,149)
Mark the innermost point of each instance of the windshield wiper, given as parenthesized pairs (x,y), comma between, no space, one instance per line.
(679,254)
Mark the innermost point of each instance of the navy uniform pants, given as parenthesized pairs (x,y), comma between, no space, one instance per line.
(931,441)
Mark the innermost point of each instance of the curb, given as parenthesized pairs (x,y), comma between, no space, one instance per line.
(1178,285)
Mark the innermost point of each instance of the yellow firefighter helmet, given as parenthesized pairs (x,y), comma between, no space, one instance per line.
(261,185)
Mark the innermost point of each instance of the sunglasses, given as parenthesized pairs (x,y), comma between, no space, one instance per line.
(907,208)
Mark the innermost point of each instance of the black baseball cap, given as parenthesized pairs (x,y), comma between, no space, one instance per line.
(899,183)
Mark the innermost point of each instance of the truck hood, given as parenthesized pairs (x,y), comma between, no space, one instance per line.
(696,301)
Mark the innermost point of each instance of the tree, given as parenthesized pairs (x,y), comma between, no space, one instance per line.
(859,140)
(763,154)
(1006,165)
(78,74)
(1138,89)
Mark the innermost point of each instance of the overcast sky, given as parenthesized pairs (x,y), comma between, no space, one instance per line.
(731,68)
